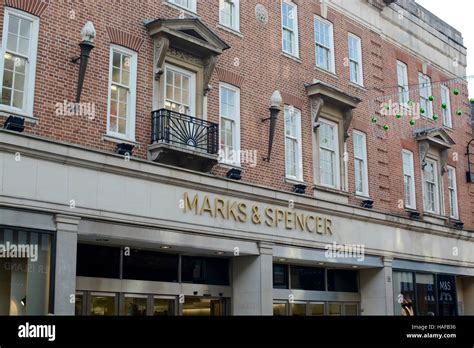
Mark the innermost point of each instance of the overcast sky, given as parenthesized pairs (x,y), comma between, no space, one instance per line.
(460,15)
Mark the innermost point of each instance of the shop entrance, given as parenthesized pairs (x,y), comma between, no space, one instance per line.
(111,304)
(306,308)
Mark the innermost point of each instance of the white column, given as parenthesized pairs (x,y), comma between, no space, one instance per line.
(65,271)
(376,290)
(252,283)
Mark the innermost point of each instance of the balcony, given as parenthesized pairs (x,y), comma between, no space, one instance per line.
(184,141)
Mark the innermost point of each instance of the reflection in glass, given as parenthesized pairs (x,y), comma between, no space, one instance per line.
(403,292)
(135,306)
(102,305)
(426,294)
(447,295)
(279,309)
(195,306)
(25,276)
(163,307)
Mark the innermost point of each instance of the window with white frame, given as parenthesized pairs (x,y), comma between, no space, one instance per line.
(18,61)
(431,187)
(425,92)
(447,121)
(180,87)
(409,179)
(355,59)
(324,42)
(229,124)
(122,92)
(402,78)
(453,193)
(229,13)
(293,144)
(289,23)
(328,153)
(360,163)
(189,5)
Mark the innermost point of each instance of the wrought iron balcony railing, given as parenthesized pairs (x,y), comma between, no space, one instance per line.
(186,131)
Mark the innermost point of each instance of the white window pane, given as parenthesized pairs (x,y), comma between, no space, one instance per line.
(23,46)
(13,24)
(8,78)
(17,99)
(12,42)
(25,28)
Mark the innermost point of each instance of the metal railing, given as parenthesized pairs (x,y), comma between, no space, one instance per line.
(183,130)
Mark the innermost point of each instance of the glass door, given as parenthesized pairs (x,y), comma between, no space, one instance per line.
(351,309)
(298,309)
(280,308)
(335,309)
(316,309)
(135,305)
(102,304)
(163,306)
(198,306)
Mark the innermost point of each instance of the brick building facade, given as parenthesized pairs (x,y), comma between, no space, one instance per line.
(338,66)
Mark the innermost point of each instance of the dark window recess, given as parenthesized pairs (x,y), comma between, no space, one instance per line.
(98,261)
(307,278)
(280,276)
(342,280)
(205,270)
(150,265)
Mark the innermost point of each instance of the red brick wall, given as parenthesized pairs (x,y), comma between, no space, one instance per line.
(261,70)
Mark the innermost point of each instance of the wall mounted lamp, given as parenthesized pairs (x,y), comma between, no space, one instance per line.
(275,102)
(87,44)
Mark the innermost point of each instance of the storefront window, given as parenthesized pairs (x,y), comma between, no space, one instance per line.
(150,265)
(98,261)
(25,271)
(403,292)
(307,278)
(447,295)
(280,276)
(342,280)
(425,294)
(205,270)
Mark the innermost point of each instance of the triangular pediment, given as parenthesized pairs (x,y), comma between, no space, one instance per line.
(190,34)
(437,136)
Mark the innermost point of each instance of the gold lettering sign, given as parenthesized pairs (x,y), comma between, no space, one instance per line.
(238,211)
